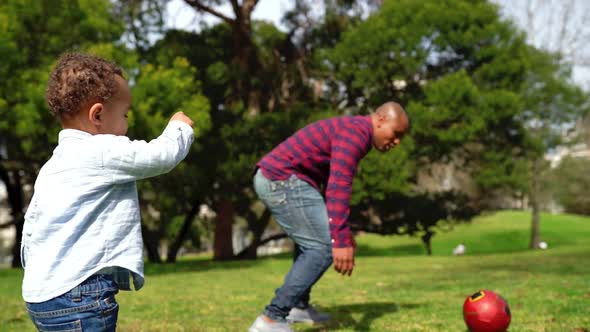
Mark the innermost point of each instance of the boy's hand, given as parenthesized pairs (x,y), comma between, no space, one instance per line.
(179,116)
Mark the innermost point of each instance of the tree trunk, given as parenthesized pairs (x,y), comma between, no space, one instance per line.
(16,258)
(223,242)
(427,240)
(244,253)
(245,60)
(535,225)
(16,202)
(182,235)
(150,242)
(257,227)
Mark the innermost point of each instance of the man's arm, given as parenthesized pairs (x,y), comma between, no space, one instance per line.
(129,160)
(347,151)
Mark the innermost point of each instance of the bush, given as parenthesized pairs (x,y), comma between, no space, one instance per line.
(570,185)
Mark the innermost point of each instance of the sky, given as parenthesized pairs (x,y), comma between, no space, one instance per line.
(546,19)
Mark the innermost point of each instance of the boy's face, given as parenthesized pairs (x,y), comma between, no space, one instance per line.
(114,116)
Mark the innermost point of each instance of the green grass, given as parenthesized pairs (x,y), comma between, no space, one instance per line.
(395,287)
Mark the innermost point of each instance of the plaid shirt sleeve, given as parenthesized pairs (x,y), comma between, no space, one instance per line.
(134,160)
(347,151)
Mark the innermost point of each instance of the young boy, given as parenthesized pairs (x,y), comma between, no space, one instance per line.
(82,236)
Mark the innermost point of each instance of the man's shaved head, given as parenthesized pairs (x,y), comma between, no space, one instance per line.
(392,110)
(390,124)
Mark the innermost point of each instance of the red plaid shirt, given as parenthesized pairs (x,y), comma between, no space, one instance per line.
(325,154)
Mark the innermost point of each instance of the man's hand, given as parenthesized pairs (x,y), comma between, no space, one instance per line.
(343,260)
(179,116)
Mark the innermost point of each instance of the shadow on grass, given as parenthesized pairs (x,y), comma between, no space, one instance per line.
(342,316)
(393,251)
(202,264)
(561,262)
(197,265)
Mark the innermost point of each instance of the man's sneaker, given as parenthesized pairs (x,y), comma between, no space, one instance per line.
(307,315)
(260,325)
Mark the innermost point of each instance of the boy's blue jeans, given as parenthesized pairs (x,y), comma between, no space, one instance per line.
(90,306)
(301,211)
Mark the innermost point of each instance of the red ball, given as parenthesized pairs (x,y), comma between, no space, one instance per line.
(486,311)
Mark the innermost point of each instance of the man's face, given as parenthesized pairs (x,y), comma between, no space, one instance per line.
(114,115)
(389,132)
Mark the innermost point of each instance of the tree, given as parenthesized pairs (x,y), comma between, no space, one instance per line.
(244,62)
(159,92)
(570,182)
(418,214)
(143,21)
(257,87)
(459,76)
(554,101)
(33,34)
(560,27)
(462,77)
(250,84)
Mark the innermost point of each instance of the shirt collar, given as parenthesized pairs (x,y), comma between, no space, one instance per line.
(369,123)
(72,133)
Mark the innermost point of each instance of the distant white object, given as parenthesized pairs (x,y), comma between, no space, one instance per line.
(459,250)
(543,245)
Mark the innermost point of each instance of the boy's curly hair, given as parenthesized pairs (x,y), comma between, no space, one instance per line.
(79,79)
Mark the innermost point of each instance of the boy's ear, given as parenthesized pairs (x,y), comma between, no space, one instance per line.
(94,114)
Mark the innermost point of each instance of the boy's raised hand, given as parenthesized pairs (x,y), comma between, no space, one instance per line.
(179,116)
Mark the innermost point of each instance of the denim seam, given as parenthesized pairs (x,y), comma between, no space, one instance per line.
(93,293)
(104,318)
(107,302)
(303,213)
(62,312)
(310,224)
(93,290)
(70,330)
(78,327)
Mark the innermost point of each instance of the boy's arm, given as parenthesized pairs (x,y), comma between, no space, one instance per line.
(128,160)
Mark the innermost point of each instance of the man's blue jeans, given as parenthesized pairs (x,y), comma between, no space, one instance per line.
(301,211)
(90,306)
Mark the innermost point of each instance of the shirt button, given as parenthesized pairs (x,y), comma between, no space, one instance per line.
(330,219)
(333,241)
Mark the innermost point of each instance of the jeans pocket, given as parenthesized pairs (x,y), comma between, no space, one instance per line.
(270,192)
(75,326)
(275,198)
(108,305)
(110,313)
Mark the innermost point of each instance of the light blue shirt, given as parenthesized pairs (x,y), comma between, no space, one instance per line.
(84,214)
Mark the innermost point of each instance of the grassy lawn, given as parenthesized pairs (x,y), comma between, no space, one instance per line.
(395,287)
